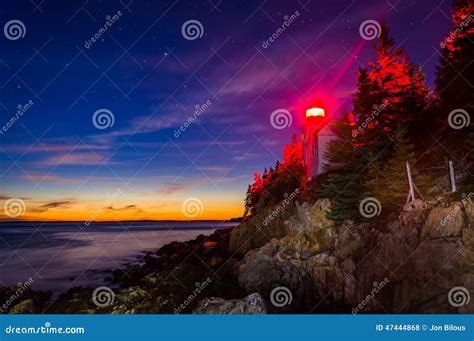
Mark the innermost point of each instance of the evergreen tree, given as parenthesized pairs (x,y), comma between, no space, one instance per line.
(274,184)
(344,184)
(391,189)
(293,155)
(456,70)
(454,80)
(248,205)
(391,91)
(398,83)
(367,130)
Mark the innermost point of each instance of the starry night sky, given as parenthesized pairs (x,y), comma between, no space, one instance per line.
(151,78)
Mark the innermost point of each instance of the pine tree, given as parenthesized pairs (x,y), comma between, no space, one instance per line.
(367,130)
(399,83)
(248,204)
(344,184)
(292,160)
(277,170)
(391,91)
(375,175)
(456,70)
(454,79)
(274,184)
(391,188)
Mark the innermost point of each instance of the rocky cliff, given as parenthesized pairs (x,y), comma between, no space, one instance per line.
(296,262)
(411,265)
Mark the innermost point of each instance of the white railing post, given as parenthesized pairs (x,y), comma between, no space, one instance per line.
(452,179)
(411,193)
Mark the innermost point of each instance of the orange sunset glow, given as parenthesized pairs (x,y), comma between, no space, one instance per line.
(89,211)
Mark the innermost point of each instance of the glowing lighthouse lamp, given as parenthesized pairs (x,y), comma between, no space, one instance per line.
(315,112)
(315,119)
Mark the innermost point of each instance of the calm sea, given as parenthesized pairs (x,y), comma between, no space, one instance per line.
(59,255)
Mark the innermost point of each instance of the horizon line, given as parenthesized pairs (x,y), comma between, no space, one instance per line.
(118,221)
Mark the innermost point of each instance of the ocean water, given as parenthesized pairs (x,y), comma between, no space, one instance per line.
(62,255)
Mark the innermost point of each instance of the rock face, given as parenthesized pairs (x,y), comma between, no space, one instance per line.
(444,222)
(409,265)
(257,232)
(264,270)
(24,307)
(252,304)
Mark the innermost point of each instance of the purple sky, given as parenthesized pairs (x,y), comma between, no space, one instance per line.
(150,77)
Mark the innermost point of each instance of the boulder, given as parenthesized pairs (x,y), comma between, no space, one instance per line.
(257,232)
(275,265)
(252,304)
(469,209)
(24,307)
(443,222)
(310,217)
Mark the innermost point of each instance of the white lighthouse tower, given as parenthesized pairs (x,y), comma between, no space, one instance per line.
(316,137)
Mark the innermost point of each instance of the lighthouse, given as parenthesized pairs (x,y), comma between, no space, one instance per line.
(317,134)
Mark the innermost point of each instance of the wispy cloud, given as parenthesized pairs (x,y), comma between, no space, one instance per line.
(55,204)
(75,159)
(215,169)
(44,177)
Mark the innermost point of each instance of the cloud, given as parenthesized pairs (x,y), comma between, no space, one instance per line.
(59,144)
(40,177)
(171,189)
(126,208)
(181,185)
(215,169)
(75,159)
(6,197)
(55,204)
(247,156)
